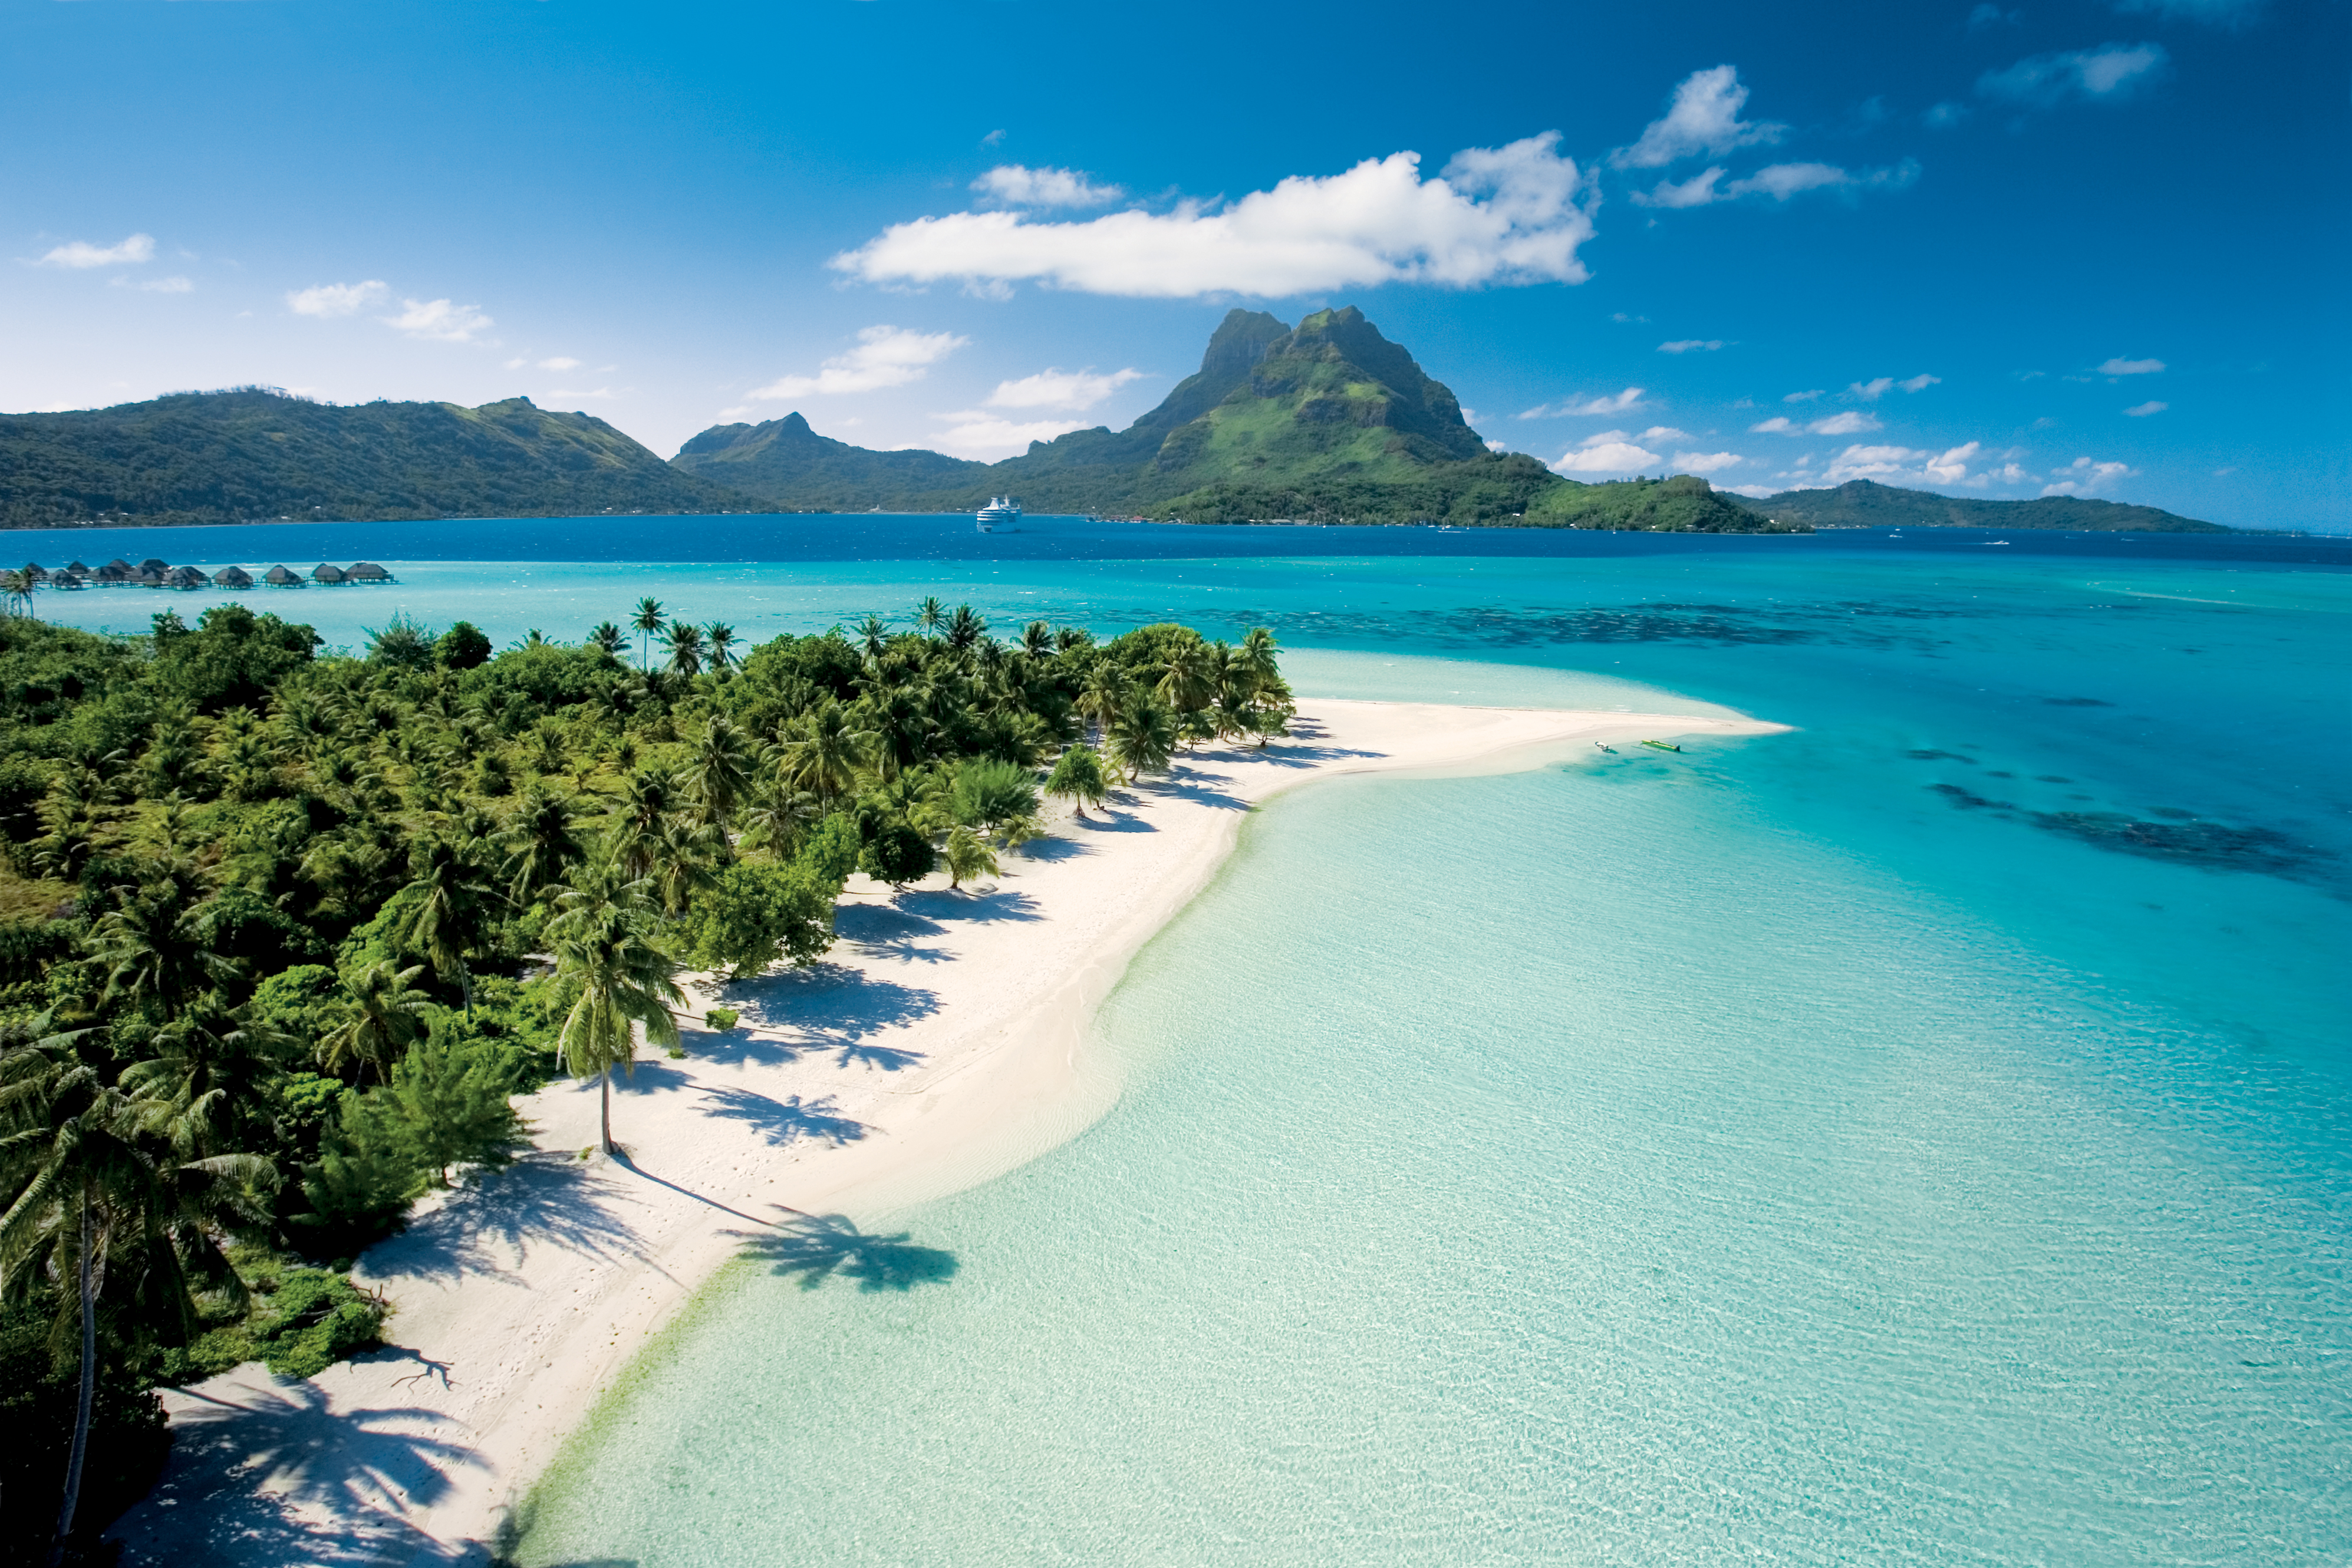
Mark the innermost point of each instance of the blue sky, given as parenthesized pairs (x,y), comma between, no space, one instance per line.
(2095,247)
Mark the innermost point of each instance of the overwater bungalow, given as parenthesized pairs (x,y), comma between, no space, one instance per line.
(325,574)
(79,567)
(36,572)
(67,577)
(233,577)
(115,574)
(186,577)
(367,571)
(156,564)
(280,577)
(147,577)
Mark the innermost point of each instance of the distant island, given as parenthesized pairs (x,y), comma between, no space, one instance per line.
(1325,422)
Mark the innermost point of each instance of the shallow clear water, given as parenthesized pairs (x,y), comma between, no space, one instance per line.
(1918,1138)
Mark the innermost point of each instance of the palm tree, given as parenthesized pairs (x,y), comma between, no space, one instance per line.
(686,857)
(1256,661)
(1105,693)
(1037,640)
(383,1015)
(607,960)
(930,615)
(154,946)
(719,769)
(1142,735)
(609,638)
(90,1188)
(18,586)
(649,620)
(1187,677)
(685,648)
(822,751)
(542,842)
(450,918)
(875,633)
(646,798)
(964,629)
(901,726)
(1077,777)
(968,856)
(722,645)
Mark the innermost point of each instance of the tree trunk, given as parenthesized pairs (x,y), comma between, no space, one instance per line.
(466,984)
(607,1092)
(81,1449)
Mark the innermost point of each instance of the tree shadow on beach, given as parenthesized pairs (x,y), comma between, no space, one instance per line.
(783,1121)
(976,908)
(1054,847)
(266,1474)
(813,1249)
(489,1225)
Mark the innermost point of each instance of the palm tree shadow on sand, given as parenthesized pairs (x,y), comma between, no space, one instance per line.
(817,1247)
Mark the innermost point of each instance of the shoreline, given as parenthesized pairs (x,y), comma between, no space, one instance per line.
(939,1044)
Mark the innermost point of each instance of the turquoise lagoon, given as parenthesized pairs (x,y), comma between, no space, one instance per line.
(1919,1138)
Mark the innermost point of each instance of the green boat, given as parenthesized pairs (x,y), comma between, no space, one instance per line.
(1661,745)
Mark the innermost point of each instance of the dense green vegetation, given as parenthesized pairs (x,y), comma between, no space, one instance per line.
(1327,422)
(1865,504)
(253,455)
(292,931)
(1682,504)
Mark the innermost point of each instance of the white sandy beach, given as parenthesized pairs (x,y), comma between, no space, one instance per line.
(937,1046)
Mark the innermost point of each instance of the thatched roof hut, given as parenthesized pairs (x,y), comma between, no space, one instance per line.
(233,577)
(367,571)
(115,573)
(280,577)
(148,577)
(186,577)
(156,564)
(326,573)
(35,572)
(77,566)
(67,577)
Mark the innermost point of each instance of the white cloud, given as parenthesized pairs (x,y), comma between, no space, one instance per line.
(2110,73)
(1753,492)
(1704,118)
(1805,396)
(2083,477)
(1665,433)
(1016,186)
(160,285)
(1706,462)
(1918,466)
(1075,390)
(1919,382)
(977,434)
(885,356)
(1776,426)
(2132,367)
(1871,391)
(79,255)
(1687,345)
(517,363)
(1850,423)
(1609,452)
(559,362)
(337,299)
(1698,191)
(1624,402)
(438,320)
(1377,223)
(1781,181)
(2142,410)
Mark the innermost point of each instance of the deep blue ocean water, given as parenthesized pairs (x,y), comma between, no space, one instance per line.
(1919,1138)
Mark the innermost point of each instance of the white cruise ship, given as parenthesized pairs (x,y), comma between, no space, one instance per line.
(999,512)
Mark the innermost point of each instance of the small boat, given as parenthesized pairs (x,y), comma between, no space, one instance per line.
(1610,750)
(1661,745)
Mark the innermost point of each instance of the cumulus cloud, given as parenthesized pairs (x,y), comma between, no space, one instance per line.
(1075,390)
(337,299)
(1609,452)
(1778,183)
(1016,186)
(1505,214)
(1624,402)
(1691,345)
(2132,367)
(79,255)
(1753,492)
(1665,433)
(977,434)
(2112,73)
(1776,426)
(438,320)
(1919,382)
(1702,119)
(2142,410)
(561,362)
(1706,462)
(1805,396)
(2083,477)
(1871,391)
(1847,424)
(885,356)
